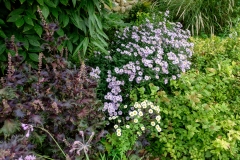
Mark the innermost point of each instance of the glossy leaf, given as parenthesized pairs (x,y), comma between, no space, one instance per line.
(16,12)
(2,34)
(41,2)
(14,18)
(64,2)
(28,20)
(27,28)
(45,11)
(38,29)
(19,22)
(34,57)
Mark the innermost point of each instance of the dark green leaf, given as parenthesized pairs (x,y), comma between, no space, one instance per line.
(38,29)
(2,48)
(45,11)
(98,21)
(54,12)
(40,2)
(99,45)
(60,32)
(25,42)
(3,57)
(65,20)
(2,34)
(33,40)
(70,46)
(85,44)
(22,1)
(64,2)
(77,21)
(7,5)
(28,20)
(27,27)
(16,12)
(74,2)
(50,4)
(34,57)
(14,18)
(1,22)
(31,14)
(19,22)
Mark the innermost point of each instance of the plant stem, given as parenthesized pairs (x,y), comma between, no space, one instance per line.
(53,140)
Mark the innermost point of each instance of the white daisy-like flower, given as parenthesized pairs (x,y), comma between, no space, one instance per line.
(144,104)
(119,121)
(135,120)
(119,134)
(143,128)
(158,118)
(140,113)
(150,111)
(115,126)
(139,133)
(110,118)
(131,114)
(135,112)
(118,130)
(153,123)
(125,106)
(127,126)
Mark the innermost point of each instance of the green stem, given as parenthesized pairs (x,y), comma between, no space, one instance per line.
(53,140)
(43,156)
(86,155)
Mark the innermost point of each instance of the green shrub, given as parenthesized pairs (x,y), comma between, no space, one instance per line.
(80,21)
(208,16)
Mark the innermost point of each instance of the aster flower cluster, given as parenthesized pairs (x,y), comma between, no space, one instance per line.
(28,157)
(144,116)
(153,51)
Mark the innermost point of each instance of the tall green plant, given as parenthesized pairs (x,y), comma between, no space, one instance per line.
(209,16)
(80,20)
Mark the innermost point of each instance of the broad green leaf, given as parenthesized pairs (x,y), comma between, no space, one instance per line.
(34,57)
(14,18)
(22,1)
(90,26)
(38,29)
(19,22)
(54,12)
(3,57)
(60,32)
(40,2)
(64,2)
(27,28)
(102,40)
(77,20)
(1,22)
(2,48)
(45,11)
(25,42)
(74,2)
(16,12)
(70,46)
(31,14)
(33,40)
(50,4)
(65,20)
(28,20)
(7,5)
(2,34)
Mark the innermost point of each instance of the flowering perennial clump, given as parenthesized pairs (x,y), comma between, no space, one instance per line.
(145,117)
(153,51)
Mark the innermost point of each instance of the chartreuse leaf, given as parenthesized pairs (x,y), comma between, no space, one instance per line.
(34,57)
(19,22)
(10,127)
(45,11)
